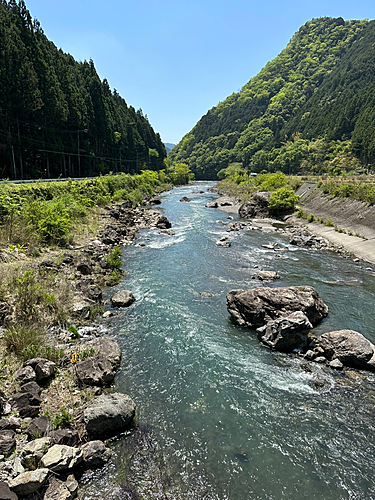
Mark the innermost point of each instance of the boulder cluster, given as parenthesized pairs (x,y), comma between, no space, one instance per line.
(36,457)
(284,318)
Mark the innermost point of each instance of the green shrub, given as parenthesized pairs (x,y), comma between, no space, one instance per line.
(310,218)
(113,259)
(282,200)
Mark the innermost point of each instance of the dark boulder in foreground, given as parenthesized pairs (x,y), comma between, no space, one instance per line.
(286,334)
(350,347)
(255,307)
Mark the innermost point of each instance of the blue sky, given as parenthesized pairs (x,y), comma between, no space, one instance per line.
(176,59)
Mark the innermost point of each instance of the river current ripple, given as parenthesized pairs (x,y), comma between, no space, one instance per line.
(232,419)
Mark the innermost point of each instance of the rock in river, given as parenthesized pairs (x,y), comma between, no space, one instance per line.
(122,298)
(255,307)
(286,334)
(350,347)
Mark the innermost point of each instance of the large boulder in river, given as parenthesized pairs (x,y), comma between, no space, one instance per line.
(163,223)
(350,347)
(286,334)
(255,307)
(122,298)
(109,414)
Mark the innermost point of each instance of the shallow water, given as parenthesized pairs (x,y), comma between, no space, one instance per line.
(231,419)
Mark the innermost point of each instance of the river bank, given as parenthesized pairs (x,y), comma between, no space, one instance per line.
(45,397)
(349,219)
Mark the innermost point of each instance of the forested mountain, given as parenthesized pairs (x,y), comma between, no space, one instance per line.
(312,108)
(56,116)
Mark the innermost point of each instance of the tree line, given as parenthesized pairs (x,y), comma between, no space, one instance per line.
(57,117)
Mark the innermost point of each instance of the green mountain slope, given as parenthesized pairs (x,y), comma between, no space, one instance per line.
(56,116)
(271,122)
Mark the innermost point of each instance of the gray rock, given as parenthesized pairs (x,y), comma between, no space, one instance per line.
(108,348)
(336,364)
(212,204)
(256,207)
(39,427)
(320,359)
(33,452)
(29,482)
(81,307)
(5,493)
(25,374)
(25,403)
(122,298)
(185,199)
(61,457)
(350,347)
(44,368)
(286,334)
(31,387)
(95,454)
(7,442)
(84,268)
(268,275)
(109,414)
(224,242)
(310,355)
(10,423)
(255,307)
(70,437)
(163,223)
(95,371)
(154,201)
(60,490)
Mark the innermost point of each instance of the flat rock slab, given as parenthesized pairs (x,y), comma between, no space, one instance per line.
(122,298)
(29,482)
(61,457)
(109,414)
(255,307)
(350,347)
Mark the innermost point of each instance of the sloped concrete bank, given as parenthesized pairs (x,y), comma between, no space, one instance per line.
(348,215)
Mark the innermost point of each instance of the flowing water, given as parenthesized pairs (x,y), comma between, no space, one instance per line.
(232,419)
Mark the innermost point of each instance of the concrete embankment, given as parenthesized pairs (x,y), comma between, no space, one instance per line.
(347,215)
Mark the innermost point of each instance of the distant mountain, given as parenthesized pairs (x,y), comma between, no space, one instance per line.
(310,108)
(169,146)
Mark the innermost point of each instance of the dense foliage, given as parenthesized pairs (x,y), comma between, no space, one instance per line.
(48,212)
(57,117)
(310,109)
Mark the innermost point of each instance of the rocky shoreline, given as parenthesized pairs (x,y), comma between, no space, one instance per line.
(56,416)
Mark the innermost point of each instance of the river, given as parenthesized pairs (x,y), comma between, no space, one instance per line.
(231,419)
